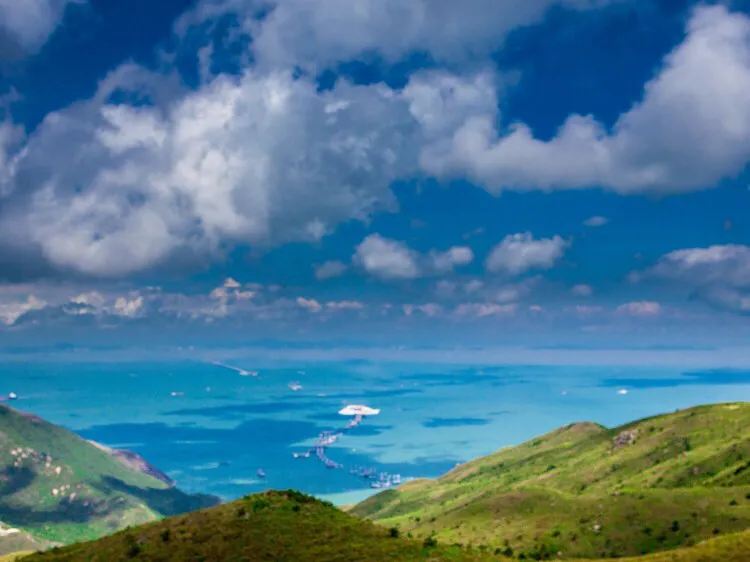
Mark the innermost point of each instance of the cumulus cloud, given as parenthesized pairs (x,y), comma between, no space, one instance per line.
(718,275)
(690,130)
(330,269)
(480,310)
(518,253)
(457,256)
(345,305)
(723,264)
(582,290)
(313,35)
(391,259)
(129,307)
(109,189)
(25,25)
(640,308)
(12,311)
(430,310)
(310,305)
(386,259)
(586,310)
(596,221)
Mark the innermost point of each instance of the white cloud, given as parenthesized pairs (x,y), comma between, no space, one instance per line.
(92,298)
(586,310)
(718,275)
(26,24)
(690,130)
(345,305)
(473,286)
(596,221)
(445,288)
(443,262)
(582,290)
(430,310)
(640,308)
(310,305)
(317,34)
(330,269)
(480,310)
(720,264)
(256,159)
(12,311)
(386,259)
(129,307)
(518,253)
(391,260)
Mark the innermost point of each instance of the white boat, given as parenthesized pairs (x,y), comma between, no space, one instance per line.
(12,396)
(295,386)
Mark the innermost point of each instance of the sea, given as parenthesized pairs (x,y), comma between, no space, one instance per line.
(212,429)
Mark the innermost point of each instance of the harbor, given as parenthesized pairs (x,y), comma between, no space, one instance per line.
(326,439)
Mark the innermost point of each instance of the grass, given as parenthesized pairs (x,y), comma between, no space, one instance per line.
(289,526)
(587,491)
(270,526)
(58,487)
(669,488)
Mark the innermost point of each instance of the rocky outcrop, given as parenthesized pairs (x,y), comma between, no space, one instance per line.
(624,438)
(136,462)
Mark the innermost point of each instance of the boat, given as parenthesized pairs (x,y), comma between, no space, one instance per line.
(295,386)
(261,474)
(12,396)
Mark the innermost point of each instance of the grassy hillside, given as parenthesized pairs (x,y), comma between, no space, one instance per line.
(15,540)
(285,526)
(58,487)
(588,491)
(288,526)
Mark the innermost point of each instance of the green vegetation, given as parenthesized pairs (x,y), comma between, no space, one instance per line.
(586,491)
(294,527)
(674,486)
(271,526)
(60,488)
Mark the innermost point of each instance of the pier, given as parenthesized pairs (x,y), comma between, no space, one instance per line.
(327,438)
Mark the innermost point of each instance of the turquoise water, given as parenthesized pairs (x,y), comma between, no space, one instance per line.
(222,427)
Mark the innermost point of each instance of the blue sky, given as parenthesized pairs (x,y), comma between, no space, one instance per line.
(553,172)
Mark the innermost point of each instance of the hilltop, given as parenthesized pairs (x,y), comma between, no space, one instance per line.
(587,491)
(289,526)
(269,526)
(56,487)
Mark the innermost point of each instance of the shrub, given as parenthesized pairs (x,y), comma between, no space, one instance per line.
(733,502)
(430,542)
(165,535)
(395,533)
(675,526)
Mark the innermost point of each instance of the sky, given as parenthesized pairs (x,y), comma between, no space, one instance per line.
(569,173)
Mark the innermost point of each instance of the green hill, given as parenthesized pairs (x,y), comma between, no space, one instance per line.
(56,487)
(291,527)
(286,526)
(588,491)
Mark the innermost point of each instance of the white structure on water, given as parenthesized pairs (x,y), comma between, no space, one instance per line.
(357,410)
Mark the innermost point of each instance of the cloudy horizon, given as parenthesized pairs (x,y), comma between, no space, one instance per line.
(381,170)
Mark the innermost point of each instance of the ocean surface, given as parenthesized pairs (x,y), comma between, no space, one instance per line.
(220,427)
